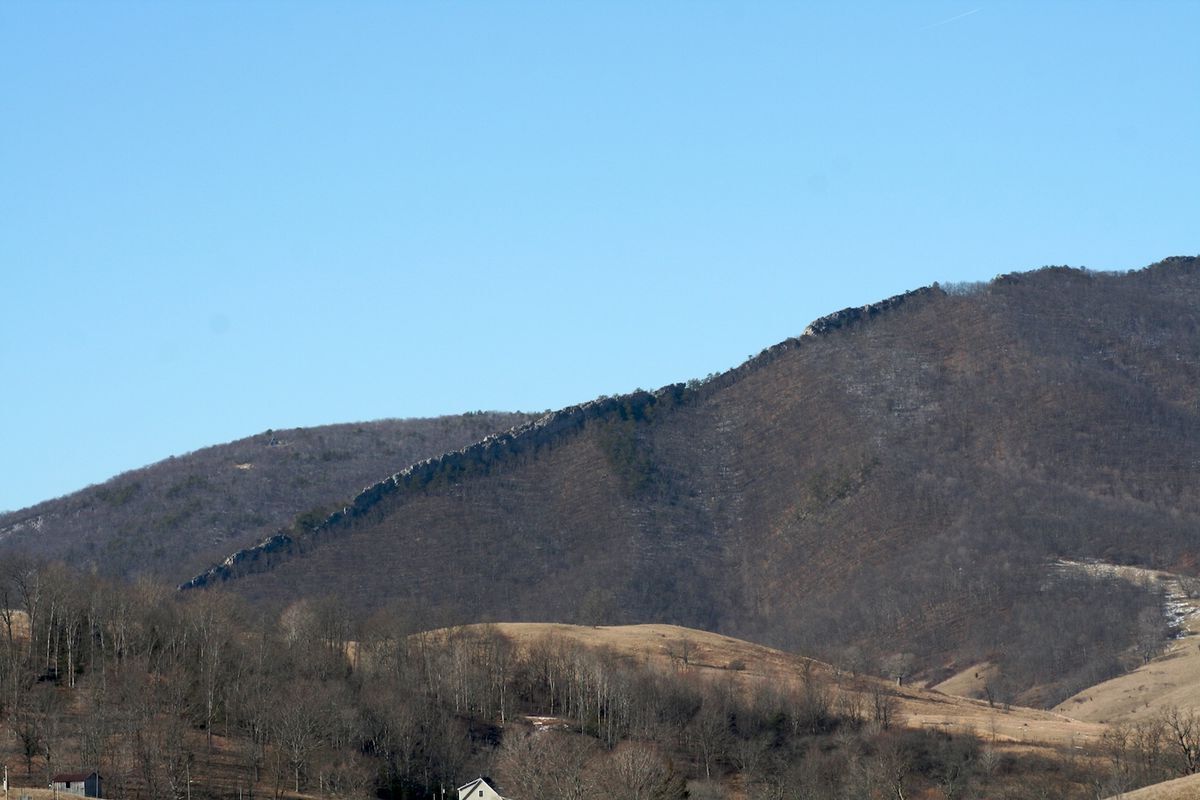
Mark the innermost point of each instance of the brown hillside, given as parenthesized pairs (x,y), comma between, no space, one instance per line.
(896,480)
(175,517)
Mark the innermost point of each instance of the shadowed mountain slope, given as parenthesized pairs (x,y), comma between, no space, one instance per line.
(896,480)
(175,517)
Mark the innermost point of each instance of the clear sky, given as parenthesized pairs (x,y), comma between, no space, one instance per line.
(222,217)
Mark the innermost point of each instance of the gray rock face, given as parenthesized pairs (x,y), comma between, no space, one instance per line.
(849,316)
(476,458)
(479,457)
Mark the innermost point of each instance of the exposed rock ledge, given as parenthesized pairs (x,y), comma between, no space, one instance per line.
(479,457)
(849,316)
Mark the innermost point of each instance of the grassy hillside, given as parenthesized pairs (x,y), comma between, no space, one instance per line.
(890,488)
(1187,788)
(753,668)
(175,517)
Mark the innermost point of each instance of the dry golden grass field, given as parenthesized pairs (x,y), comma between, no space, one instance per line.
(721,657)
(1179,789)
(16,793)
(968,683)
(1171,680)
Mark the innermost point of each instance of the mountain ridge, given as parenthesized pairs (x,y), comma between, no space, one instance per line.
(535,434)
(165,516)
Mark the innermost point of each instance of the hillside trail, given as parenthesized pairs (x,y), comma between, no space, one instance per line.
(1182,592)
(1170,679)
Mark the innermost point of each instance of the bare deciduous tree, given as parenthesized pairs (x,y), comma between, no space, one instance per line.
(636,771)
(1182,730)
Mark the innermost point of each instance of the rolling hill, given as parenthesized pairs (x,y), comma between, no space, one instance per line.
(1186,788)
(751,666)
(181,514)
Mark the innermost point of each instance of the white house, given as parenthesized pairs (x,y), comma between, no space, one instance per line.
(478,789)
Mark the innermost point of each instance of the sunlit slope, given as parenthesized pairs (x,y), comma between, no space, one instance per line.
(717,657)
(1187,788)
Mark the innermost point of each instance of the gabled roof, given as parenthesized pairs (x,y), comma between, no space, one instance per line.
(468,788)
(73,777)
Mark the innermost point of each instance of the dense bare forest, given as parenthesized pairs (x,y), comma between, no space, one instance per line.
(198,695)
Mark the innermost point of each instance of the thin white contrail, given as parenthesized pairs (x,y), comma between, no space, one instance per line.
(952,19)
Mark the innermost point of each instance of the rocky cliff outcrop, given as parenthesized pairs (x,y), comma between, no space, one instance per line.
(476,459)
(851,316)
(482,456)
(171,519)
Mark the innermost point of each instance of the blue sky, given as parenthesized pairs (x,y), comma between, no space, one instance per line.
(218,218)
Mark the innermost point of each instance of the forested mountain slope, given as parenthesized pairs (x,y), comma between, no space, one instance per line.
(894,482)
(175,517)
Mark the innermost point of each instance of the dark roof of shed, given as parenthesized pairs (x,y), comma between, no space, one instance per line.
(72,777)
